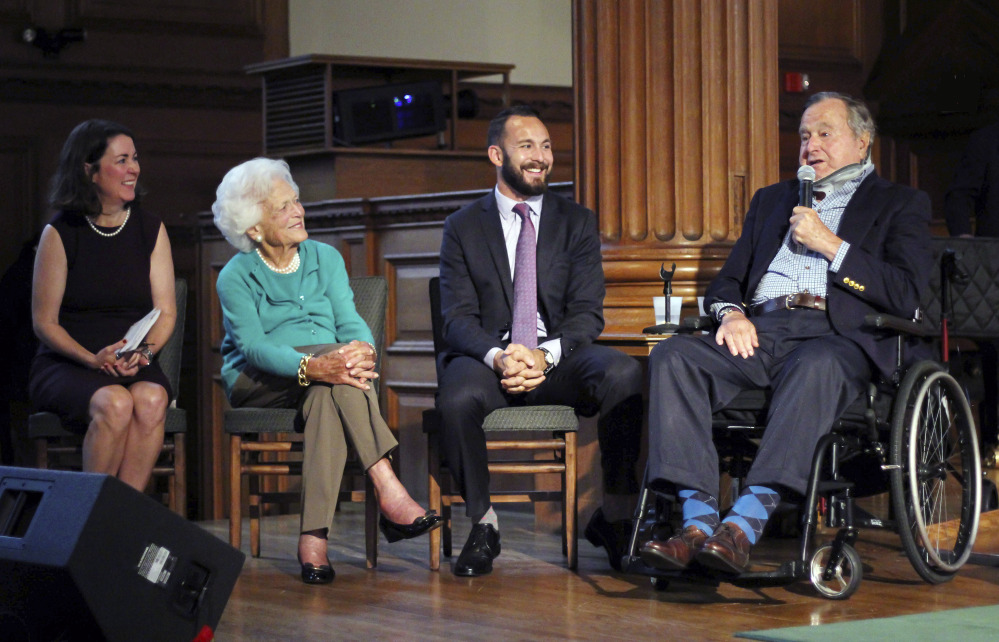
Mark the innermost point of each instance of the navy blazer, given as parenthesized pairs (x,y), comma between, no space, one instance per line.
(885,270)
(477,286)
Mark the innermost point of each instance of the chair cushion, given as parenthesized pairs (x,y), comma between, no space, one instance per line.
(240,421)
(46,424)
(176,421)
(534,418)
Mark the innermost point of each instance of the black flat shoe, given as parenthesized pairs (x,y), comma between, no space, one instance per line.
(612,536)
(424,524)
(311,574)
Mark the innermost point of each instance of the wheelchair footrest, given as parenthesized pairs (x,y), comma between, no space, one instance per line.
(786,573)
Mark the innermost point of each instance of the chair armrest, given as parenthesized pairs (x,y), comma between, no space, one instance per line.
(896,324)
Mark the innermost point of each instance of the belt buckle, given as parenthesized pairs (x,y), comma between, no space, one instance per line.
(789,302)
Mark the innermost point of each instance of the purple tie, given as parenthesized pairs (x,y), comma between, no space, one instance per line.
(525,283)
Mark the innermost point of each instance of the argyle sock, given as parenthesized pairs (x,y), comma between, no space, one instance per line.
(752,510)
(490,518)
(700,510)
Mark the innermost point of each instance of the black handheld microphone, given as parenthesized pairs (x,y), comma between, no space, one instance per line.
(806,174)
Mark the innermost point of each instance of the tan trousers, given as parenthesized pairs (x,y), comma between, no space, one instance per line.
(329,414)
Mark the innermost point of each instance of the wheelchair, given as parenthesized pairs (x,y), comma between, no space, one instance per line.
(913,436)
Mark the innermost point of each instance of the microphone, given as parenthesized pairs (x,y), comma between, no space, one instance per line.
(806,174)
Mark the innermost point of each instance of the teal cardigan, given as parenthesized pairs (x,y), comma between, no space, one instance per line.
(265,313)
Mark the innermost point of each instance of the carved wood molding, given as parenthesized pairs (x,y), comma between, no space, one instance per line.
(676,126)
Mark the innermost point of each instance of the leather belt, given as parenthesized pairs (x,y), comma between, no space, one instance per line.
(789,302)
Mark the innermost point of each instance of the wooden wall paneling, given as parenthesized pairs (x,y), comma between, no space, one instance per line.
(687,110)
(684,164)
(661,130)
(633,142)
(584,74)
(721,221)
(762,110)
(231,16)
(716,73)
(607,141)
(838,39)
(371,174)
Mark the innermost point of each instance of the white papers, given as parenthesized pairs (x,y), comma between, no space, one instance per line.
(137,333)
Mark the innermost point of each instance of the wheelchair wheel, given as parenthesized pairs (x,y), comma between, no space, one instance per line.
(936,474)
(843,579)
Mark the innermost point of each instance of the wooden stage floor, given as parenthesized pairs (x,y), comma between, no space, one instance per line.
(532,596)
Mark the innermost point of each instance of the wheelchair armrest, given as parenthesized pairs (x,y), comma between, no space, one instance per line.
(697,324)
(896,324)
(879,321)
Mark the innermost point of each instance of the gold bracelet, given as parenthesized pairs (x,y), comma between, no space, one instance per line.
(303,365)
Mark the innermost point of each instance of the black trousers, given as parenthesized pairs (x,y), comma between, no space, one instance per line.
(594,379)
(815,374)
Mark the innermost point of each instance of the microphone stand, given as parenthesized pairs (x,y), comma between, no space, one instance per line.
(665,328)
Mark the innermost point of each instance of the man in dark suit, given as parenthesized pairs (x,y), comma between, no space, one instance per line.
(522,290)
(790,301)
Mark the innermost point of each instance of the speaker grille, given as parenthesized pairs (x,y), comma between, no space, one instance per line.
(296,108)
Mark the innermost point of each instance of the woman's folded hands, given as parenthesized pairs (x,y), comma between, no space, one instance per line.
(352,364)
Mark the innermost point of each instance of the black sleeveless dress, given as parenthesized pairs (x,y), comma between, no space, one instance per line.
(107,290)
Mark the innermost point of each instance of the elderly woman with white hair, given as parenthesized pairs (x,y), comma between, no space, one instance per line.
(290,322)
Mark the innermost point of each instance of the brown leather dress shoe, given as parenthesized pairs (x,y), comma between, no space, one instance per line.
(727,550)
(675,553)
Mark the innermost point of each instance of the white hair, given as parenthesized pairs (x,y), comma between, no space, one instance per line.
(240,197)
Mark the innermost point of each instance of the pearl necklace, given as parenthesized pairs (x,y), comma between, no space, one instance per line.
(292,267)
(128,212)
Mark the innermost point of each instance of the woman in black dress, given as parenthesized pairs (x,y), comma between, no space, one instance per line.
(102,265)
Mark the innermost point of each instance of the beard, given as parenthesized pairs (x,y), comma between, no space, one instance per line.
(514,177)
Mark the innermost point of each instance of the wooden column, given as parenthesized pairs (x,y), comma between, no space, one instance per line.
(676,127)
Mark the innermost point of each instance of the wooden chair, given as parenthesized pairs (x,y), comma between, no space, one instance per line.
(543,428)
(261,438)
(56,447)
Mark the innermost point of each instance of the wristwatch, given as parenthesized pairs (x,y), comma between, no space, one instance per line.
(148,354)
(549,360)
(726,310)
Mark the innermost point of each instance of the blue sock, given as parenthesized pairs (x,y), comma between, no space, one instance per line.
(700,510)
(752,510)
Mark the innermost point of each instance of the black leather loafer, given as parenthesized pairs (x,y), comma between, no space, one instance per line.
(424,524)
(482,547)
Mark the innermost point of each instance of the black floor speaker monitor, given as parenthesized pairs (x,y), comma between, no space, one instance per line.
(85,557)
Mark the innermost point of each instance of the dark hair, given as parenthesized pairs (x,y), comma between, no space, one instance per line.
(497,126)
(72,186)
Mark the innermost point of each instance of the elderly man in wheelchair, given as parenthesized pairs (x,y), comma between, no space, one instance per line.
(790,305)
